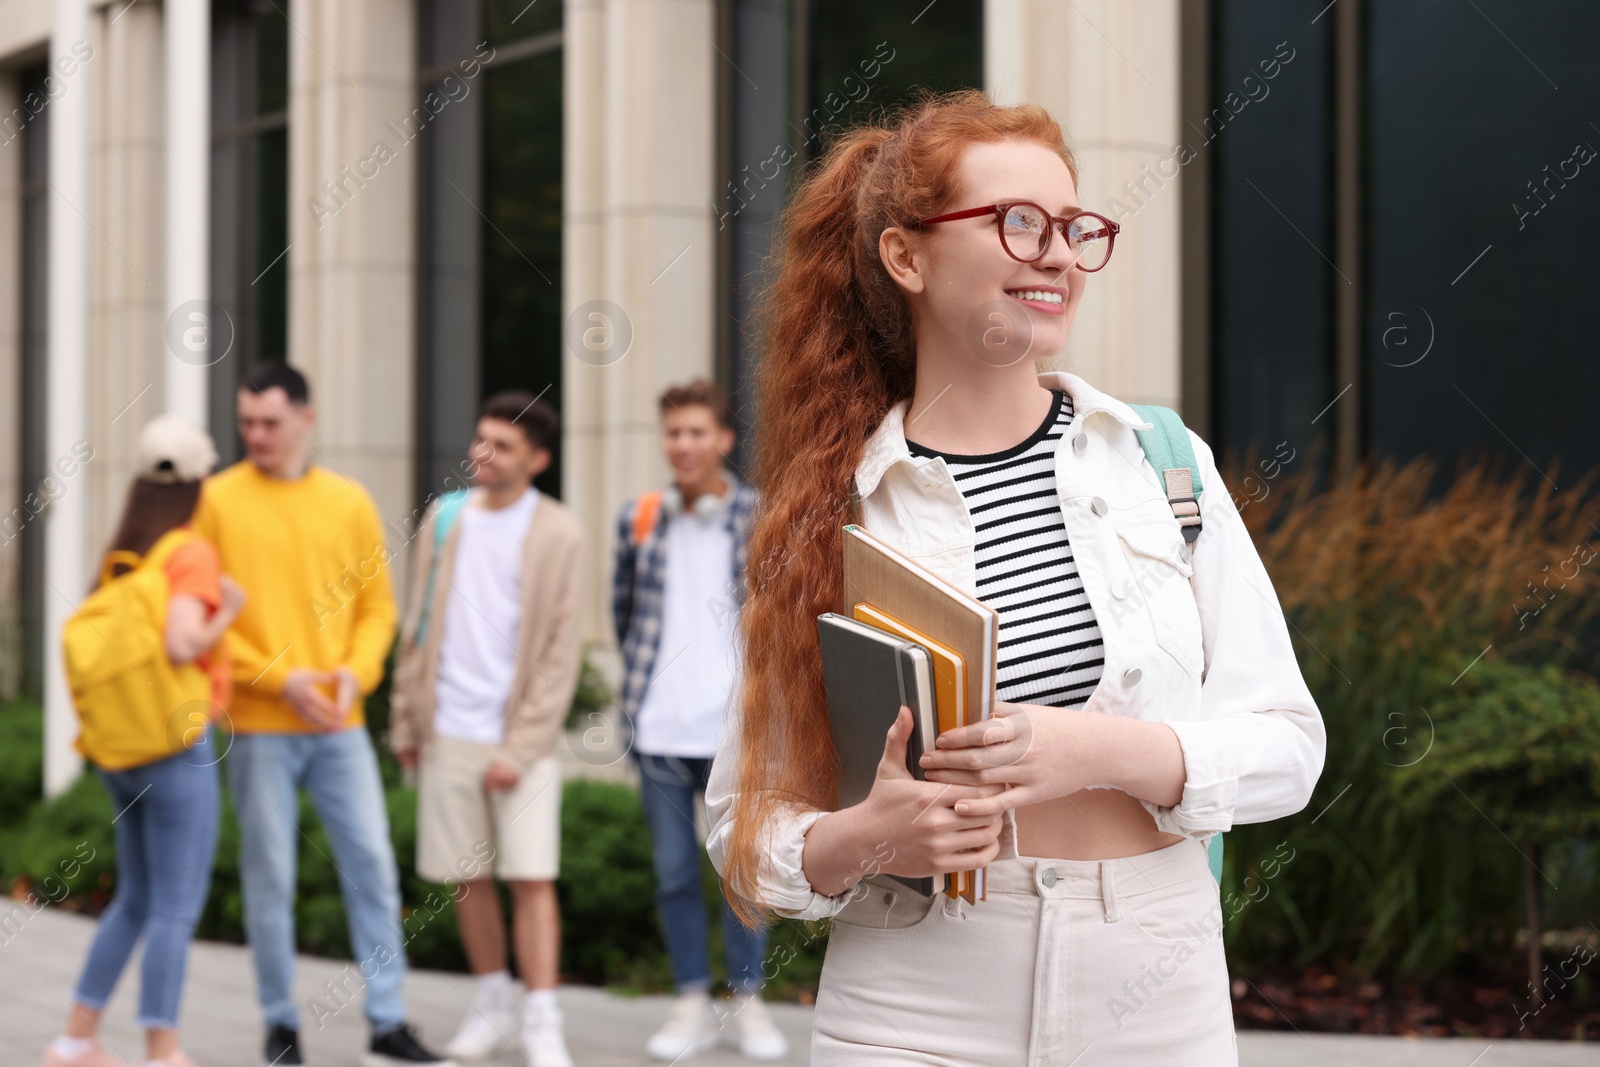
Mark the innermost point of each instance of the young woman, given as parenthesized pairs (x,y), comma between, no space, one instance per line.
(166,827)
(1147,693)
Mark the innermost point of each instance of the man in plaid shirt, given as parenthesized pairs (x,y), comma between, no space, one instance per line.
(678,588)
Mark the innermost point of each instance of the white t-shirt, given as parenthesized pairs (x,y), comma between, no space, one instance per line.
(482,613)
(692,677)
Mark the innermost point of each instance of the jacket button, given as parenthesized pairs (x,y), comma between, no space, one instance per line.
(1080,442)
(1120,591)
(1098,506)
(1049,876)
(1131,676)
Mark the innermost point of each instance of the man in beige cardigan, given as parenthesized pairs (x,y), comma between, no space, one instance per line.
(489,661)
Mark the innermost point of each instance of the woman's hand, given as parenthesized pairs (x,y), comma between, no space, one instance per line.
(904,826)
(1035,751)
(1042,753)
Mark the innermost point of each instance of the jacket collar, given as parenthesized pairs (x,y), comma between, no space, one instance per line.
(887,445)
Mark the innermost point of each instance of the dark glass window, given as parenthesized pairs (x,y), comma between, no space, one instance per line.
(491,222)
(1470,245)
(249,193)
(1481,233)
(24,525)
(1268,133)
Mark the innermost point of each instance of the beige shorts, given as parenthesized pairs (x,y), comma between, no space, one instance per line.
(464,831)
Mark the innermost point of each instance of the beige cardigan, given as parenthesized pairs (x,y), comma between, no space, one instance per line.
(548,646)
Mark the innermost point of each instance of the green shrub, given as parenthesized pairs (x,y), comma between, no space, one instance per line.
(63,851)
(1393,592)
(21,760)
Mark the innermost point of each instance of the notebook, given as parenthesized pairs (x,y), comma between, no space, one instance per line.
(878,575)
(949,673)
(868,675)
(949,696)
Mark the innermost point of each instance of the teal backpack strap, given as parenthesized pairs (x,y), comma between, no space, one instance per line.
(450,505)
(1170,452)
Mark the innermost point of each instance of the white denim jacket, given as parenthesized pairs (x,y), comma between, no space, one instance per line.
(1194,635)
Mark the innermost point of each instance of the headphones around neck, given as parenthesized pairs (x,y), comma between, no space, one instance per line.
(705,505)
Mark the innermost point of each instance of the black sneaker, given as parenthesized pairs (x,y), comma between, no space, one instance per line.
(283,1048)
(398,1046)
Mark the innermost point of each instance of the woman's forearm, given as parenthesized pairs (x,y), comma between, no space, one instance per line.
(838,852)
(1141,758)
(189,633)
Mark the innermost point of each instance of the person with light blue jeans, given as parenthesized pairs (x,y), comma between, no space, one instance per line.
(340,773)
(166,834)
(308,544)
(667,788)
(677,593)
(158,764)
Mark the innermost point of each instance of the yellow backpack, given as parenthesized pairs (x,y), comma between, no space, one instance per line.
(134,705)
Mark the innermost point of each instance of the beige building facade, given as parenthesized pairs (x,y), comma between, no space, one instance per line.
(366,228)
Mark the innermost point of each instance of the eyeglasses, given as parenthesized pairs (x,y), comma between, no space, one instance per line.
(1026,229)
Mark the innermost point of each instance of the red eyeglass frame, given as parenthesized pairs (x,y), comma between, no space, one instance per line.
(1051,222)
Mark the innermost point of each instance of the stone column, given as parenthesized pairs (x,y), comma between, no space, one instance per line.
(638,246)
(187,77)
(11,491)
(131,365)
(67,516)
(352,223)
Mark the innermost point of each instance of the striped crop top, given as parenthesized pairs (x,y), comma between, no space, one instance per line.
(1050,646)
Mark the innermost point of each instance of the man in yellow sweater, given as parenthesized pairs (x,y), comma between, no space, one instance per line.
(308,546)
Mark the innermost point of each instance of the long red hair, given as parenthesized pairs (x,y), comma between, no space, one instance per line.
(838,355)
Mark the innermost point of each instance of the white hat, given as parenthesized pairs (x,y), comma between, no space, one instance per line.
(172,450)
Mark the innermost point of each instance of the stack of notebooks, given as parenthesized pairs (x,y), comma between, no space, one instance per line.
(911,638)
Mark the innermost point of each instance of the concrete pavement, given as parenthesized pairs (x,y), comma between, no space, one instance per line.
(40,961)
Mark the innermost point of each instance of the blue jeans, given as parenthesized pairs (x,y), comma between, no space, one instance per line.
(340,772)
(166,833)
(667,788)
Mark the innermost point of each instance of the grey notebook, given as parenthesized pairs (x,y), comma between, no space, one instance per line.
(868,674)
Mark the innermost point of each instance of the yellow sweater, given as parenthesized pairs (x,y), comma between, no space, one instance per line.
(310,554)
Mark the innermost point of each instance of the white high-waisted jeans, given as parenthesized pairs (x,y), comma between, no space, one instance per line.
(1068,963)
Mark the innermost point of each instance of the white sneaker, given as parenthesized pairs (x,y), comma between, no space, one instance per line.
(542,1040)
(759,1036)
(691,1028)
(487,1028)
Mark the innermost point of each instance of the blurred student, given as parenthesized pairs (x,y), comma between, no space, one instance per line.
(308,545)
(678,585)
(147,732)
(489,661)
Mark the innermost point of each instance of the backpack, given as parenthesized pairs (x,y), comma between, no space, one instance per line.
(135,706)
(450,505)
(1171,453)
(645,513)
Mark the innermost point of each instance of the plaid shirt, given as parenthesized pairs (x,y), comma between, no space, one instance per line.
(639,582)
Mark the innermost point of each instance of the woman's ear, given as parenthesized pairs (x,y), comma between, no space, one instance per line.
(902,260)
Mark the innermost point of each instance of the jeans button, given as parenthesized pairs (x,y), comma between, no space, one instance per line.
(1080,442)
(1049,876)
(1098,506)
(1131,676)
